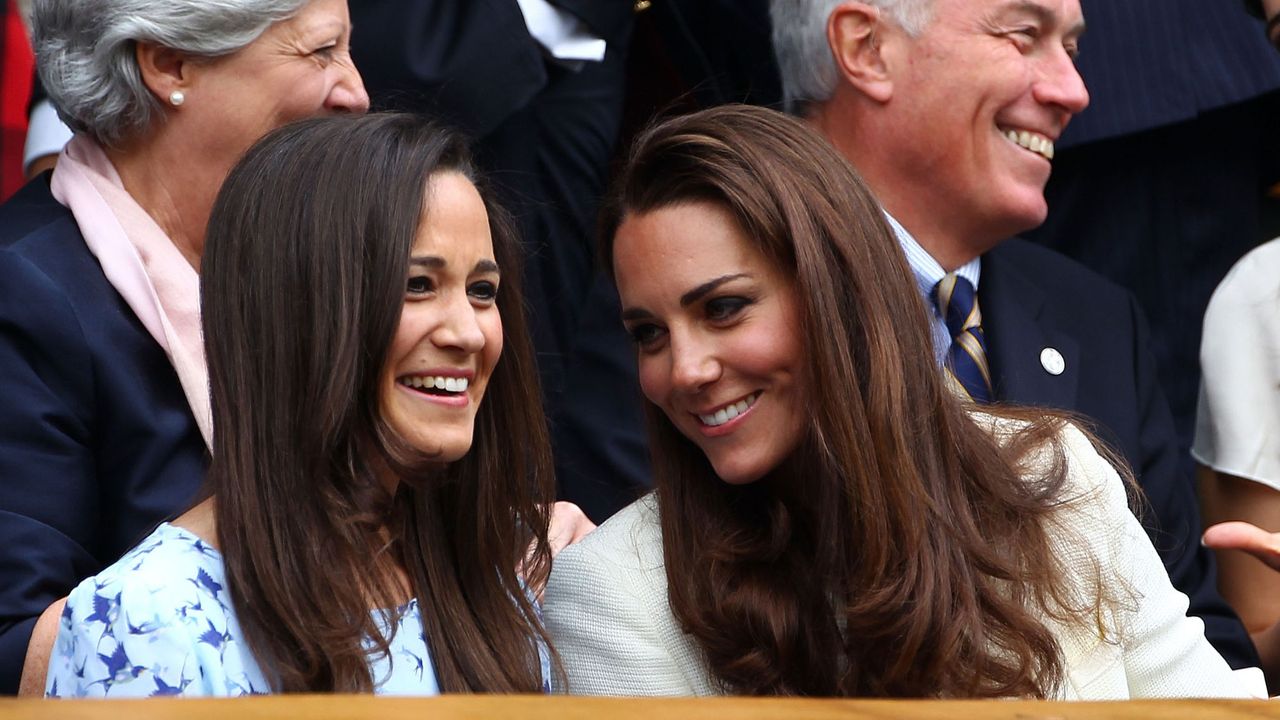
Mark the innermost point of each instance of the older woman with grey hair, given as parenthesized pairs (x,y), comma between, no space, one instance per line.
(104,426)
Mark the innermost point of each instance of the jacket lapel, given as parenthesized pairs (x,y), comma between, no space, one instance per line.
(1018,332)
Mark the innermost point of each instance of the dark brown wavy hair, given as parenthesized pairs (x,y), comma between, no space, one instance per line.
(903,551)
(303,283)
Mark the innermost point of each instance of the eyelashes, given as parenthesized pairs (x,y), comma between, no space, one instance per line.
(718,312)
(483,291)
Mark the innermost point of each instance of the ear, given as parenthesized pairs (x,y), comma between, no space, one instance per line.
(163,69)
(856,33)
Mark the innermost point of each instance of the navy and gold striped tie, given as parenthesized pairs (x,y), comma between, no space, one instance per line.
(967,357)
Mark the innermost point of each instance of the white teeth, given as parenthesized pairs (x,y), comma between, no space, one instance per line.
(438,382)
(729,412)
(1034,142)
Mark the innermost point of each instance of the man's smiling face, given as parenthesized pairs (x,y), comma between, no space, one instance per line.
(987,88)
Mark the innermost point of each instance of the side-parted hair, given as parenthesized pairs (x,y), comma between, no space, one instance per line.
(87,52)
(902,551)
(302,285)
(805,63)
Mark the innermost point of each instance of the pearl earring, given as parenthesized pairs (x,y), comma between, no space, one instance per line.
(176,98)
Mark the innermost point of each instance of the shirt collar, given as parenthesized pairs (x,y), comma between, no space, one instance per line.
(927,271)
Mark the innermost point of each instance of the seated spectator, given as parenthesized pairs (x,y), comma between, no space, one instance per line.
(831,519)
(1237,426)
(949,109)
(370,373)
(105,419)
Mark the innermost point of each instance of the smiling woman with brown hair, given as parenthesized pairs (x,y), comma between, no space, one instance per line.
(381,467)
(830,519)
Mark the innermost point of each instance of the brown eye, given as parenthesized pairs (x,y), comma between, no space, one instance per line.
(419,285)
(725,308)
(645,334)
(484,291)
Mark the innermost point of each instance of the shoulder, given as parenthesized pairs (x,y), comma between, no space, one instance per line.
(1254,280)
(156,622)
(34,213)
(1052,271)
(1088,478)
(169,570)
(625,551)
(633,536)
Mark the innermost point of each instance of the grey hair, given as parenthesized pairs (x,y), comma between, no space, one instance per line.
(809,74)
(87,59)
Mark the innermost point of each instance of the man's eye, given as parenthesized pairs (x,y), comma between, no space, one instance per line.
(1024,37)
(484,290)
(325,52)
(419,285)
(725,308)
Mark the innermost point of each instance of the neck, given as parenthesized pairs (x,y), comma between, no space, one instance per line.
(175,190)
(949,243)
(200,521)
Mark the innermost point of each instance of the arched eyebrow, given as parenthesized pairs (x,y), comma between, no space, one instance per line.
(701,291)
(435,262)
(687,299)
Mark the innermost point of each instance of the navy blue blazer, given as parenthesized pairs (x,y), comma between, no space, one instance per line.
(473,63)
(1149,63)
(97,443)
(1033,298)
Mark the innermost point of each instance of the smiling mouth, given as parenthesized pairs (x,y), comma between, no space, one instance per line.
(729,412)
(1033,141)
(436,385)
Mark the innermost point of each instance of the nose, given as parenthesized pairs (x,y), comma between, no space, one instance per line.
(1061,84)
(348,94)
(459,329)
(693,365)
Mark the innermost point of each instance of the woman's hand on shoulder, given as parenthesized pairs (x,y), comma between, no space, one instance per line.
(568,525)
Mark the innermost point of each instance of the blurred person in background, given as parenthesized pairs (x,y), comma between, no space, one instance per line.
(1237,437)
(16,68)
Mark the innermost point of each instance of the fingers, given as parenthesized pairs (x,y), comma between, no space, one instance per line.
(1243,536)
(568,525)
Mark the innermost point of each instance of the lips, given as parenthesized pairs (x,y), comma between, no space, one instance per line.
(450,390)
(729,411)
(1037,143)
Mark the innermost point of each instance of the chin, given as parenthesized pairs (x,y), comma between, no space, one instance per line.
(1028,212)
(736,474)
(445,450)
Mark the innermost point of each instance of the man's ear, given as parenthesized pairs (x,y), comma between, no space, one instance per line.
(855,33)
(164,70)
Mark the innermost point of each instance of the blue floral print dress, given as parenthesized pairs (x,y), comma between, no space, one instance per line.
(159,622)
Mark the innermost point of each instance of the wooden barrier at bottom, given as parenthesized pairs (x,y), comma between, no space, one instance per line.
(521,707)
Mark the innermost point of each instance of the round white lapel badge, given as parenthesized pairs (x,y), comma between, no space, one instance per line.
(1052,361)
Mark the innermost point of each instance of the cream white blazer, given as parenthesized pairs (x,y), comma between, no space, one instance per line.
(606,607)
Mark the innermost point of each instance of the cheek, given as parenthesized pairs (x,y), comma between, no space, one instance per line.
(653,378)
(491,328)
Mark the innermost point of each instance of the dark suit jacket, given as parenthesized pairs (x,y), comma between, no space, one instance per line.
(1149,63)
(97,443)
(1032,299)
(473,63)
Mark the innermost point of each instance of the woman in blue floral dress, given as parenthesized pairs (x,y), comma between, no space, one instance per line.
(370,525)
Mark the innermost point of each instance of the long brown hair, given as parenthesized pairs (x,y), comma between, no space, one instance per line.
(302,286)
(902,551)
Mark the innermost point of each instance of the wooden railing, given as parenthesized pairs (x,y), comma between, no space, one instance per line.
(343,707)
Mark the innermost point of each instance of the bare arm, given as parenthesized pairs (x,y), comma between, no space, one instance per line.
(1251,587)
(39,650)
